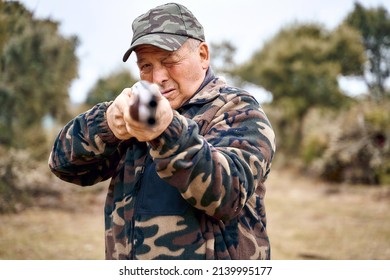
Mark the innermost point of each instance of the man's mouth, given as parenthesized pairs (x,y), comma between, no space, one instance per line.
(167,92)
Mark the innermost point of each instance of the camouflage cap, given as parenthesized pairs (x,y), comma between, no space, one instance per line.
(167,27)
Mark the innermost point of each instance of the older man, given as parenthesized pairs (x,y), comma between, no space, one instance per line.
(191,186)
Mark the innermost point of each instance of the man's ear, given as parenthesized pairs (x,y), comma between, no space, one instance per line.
(204,55)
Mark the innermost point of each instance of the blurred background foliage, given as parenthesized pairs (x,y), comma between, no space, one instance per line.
(37,66)
(320,129)
(107,88)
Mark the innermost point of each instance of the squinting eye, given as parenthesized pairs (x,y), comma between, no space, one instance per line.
(169,63)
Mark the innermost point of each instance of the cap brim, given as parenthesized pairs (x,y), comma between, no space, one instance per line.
(168,42)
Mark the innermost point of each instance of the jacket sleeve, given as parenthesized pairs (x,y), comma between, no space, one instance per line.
(85,151)
(218,172)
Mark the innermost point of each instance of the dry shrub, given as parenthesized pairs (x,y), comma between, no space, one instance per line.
(351,147)
(22,180)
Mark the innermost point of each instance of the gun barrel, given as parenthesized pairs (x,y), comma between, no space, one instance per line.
(145,105)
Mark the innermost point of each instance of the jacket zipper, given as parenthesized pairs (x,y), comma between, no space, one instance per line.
(137,188)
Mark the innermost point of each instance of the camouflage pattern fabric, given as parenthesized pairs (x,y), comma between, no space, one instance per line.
(213,160)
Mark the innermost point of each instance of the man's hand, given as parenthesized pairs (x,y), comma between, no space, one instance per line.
(124,126)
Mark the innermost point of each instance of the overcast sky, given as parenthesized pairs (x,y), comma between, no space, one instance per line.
(104,26)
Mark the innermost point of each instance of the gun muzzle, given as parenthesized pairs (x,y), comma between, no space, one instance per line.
(144,107)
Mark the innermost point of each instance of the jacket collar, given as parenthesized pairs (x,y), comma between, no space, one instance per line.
(208,90)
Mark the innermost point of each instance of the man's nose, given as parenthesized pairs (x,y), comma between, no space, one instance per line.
(160,74)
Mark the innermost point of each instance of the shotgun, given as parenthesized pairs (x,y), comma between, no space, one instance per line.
(144,107)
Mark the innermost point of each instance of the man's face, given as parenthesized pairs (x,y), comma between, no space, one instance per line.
(178,74)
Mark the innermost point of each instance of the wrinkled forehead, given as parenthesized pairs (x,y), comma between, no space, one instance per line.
(144,50)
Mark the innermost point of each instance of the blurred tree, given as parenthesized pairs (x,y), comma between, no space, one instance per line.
(374,25)
(300,67)
(2,26)
(37,65)
(108,88)
(223,54)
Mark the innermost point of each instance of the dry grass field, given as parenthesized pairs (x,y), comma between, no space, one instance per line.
(307,219)
(310,219)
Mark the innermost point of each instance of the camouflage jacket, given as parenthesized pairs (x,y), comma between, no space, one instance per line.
(206,200)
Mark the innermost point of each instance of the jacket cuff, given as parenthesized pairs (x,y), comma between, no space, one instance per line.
(165,144)
(97,121)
